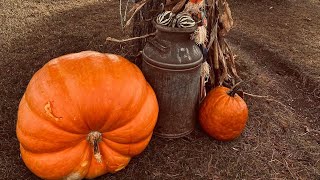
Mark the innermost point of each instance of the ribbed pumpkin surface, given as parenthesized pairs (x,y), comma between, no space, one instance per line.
(222,116)
(85,114)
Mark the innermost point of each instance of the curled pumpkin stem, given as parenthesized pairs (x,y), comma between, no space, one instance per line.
(94,138)
(232,92)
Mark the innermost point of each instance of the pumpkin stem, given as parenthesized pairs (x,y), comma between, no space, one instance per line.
(94,138)
(232,92)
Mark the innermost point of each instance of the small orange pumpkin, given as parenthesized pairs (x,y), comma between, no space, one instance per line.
(223,114)
(85,114)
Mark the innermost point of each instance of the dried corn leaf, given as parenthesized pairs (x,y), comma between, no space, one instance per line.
(205,74)
(233,66)
(210,62)
(224,66)
(213,34)
(135,10)
(179,6)
(225,19)
(231,59)
(210,2)
(170,4)
(136,6)
(212,17)
(216,54)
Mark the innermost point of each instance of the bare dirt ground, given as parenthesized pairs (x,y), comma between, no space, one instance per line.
(278,48)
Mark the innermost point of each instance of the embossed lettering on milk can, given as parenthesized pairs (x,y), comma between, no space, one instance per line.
(171,64)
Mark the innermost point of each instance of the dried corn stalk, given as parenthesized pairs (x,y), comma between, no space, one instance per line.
(218,23)
(216,19)
(220,56)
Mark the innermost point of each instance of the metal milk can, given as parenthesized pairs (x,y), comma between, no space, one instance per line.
(171,64)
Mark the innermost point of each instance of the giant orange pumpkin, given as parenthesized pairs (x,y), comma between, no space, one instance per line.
(223,114)
(84,115)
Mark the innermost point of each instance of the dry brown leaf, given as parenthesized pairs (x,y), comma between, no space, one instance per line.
(170,4)
(212,17)
(179,6)
(231,59)
(210,2)
(136,9)
(136,6)
(226,20)
(224,68)
(215,54)
(210,62)
(213,34)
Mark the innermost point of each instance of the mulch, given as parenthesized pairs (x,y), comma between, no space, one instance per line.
(281,139)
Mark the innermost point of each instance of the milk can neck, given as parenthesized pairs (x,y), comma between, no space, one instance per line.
(173,36)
